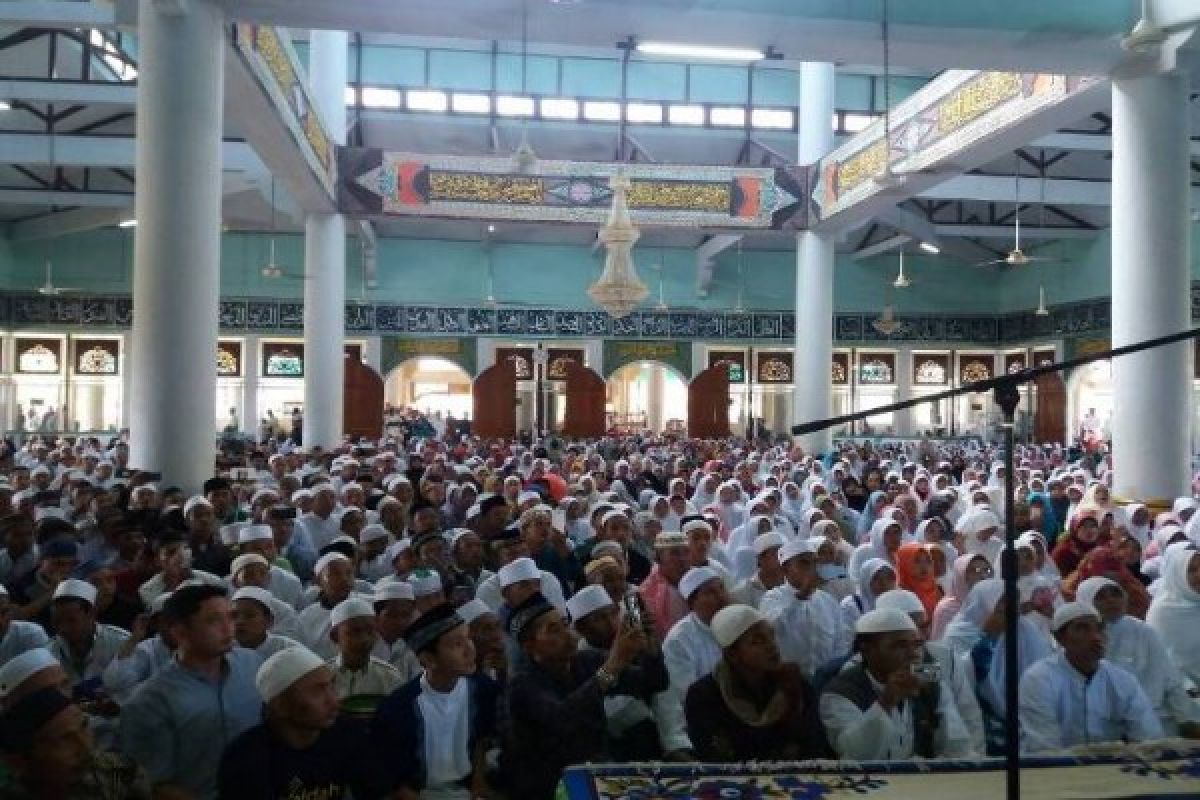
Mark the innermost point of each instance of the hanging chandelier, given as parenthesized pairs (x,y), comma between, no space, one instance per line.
(619,290)
(886,322)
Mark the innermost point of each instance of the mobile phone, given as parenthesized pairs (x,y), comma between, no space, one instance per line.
(927,672)
(633,609)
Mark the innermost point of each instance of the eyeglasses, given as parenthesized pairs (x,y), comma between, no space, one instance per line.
(980,570)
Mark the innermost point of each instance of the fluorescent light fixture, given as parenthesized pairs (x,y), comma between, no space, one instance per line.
(700,51)
(644,112)
(424,100)
(686,115)
(375,97)
(560,108)
(728,116)
(932,249)
(856,123)
(127,223)
(491,228)
(469,103)
(602,111)
(350,96)
(5,105)
(509,105)
(775,118)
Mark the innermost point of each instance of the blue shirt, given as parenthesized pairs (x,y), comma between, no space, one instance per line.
(178,723)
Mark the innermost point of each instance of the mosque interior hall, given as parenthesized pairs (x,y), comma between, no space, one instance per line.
(839,208)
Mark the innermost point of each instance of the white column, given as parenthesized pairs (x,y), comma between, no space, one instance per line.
(814,267)
(325,259)
(656,398)
(176,261)
(250,367)
(1150,287)
(904,373)
(126,378)
(373,353)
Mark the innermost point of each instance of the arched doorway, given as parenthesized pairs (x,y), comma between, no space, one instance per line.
(647,395)
(431,385)
(1090,399)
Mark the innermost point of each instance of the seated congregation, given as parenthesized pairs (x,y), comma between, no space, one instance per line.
(459,618)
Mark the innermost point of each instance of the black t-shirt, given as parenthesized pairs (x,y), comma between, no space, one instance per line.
(258,766)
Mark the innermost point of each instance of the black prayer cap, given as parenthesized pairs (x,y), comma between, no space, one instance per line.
(215,484)
(520,623)
(29,715)
(435,623)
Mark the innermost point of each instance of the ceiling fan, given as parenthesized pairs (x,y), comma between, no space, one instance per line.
(1147,35)
(1016,256)
(48,288)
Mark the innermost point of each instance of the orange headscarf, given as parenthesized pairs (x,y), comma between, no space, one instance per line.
(927,588)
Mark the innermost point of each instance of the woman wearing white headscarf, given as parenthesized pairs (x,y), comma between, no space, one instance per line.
(807,520)
(886,537)
(745,534)
(706,491)
(828,529)
(1175,611)
(978,529)
(793,502)
(978,632)
(874,577)
(728,505)
(1137,647)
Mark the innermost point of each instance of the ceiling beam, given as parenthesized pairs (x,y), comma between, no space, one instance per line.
(1006,231)
(1098,142)
(102,151)
(53,197)
(1000,189)
(882,246)
(49,226)
(706,255)
(57,14)
(69,92)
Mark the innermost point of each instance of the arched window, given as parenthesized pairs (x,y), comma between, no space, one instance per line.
(931,372)
(875,371)
(839,372)
(38,358)
(976,371)
(97,361)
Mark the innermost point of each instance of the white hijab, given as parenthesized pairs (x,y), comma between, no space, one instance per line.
(1176,610)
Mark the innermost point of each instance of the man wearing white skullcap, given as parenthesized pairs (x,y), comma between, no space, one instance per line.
(807,620)
(767,575)
(749,671)
(690,652)
(885,704)
(322,524)
(361,679)
(335,577)
(259,540)
(26,673)
(303,747)
(395,609)
(254,621)
(1076,697)
(955,672)
(83,646)
(17,636)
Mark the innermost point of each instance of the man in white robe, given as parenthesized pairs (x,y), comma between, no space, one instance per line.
(1076,697)
(690,652)
(807,621)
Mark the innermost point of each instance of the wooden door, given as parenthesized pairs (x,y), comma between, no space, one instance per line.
(362,400)
(586,397)
(494,397)
(708,403)
(1050,419)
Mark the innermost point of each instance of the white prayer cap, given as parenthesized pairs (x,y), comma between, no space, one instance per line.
(157,604)
(49,513)
(585,601)
(40,469)
(261,596)
(396,548)
(283,669)
(765,541)
(255,533)
(372,532)
(731,622)
(521,569)
(323,487)
(245,560)
(18,670)
(76,589)
(669,539)
(194,501)
(1090,587)
(473,610)
(394,590)
(262,494)
(425,583)
(327,559)
(900,600)
(350,608)
(525,497)
(1069,612)
(301,494)
(694,578)
(796,547)
(885,620)
(696,525)
(474,511)
(978,520)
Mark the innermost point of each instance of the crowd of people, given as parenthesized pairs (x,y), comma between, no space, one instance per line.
(449,617)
